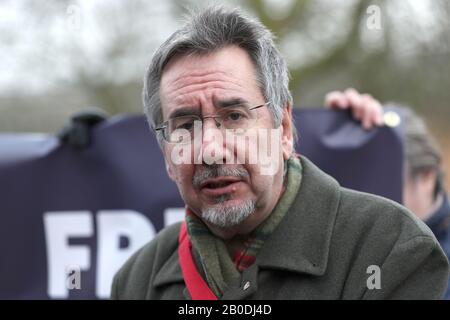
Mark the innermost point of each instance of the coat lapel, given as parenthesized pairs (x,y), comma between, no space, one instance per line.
(304,248)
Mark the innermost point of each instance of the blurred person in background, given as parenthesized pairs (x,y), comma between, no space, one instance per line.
(424,192)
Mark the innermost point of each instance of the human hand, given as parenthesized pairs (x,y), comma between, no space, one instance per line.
(363,106)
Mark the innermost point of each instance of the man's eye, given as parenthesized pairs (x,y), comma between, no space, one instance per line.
(186,126)
(182,123)
(235,116)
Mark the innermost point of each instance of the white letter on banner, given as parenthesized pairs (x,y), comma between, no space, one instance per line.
(112,225)
(59,227)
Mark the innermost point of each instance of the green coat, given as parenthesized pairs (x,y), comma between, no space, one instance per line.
(322,249)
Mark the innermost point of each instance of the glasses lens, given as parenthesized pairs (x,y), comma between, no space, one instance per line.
(236,118)
(181,129)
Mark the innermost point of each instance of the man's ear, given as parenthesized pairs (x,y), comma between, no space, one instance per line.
(287,139)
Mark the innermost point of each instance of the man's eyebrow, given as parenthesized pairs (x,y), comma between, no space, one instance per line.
(185,111)
(230,102)
(194,110)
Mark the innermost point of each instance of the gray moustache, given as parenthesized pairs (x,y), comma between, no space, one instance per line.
(207,172)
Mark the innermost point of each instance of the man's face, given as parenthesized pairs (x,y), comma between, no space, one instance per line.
(222,194)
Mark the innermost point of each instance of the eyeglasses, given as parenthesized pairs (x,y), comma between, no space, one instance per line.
(236,119)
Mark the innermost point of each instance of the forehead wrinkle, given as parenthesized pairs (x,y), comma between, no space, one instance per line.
(178,93)
(205,88)
(202,77)
(200,98)
(187,82)
(196,86)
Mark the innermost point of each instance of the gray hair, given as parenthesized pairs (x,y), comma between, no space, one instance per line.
(213,29)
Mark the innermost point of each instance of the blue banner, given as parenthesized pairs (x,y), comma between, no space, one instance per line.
(70,216)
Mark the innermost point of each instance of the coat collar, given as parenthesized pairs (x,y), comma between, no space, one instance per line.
(302,239)
(303,248)
(170,272)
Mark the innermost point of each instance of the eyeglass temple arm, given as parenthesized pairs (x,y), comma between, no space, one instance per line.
(260,106)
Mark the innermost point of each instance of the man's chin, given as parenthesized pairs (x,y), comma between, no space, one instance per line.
(228,213)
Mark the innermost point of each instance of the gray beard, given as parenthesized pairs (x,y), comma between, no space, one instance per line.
(224,216)
(220,214)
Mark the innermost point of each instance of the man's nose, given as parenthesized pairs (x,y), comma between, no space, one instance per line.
(214,150)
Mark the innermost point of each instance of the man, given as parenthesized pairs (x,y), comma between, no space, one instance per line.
(424,192)
(281,229)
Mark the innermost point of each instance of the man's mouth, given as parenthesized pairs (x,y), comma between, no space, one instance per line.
(219,186)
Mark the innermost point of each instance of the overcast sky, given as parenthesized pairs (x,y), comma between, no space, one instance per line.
(46,45)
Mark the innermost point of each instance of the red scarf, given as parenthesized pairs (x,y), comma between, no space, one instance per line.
(197,287)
